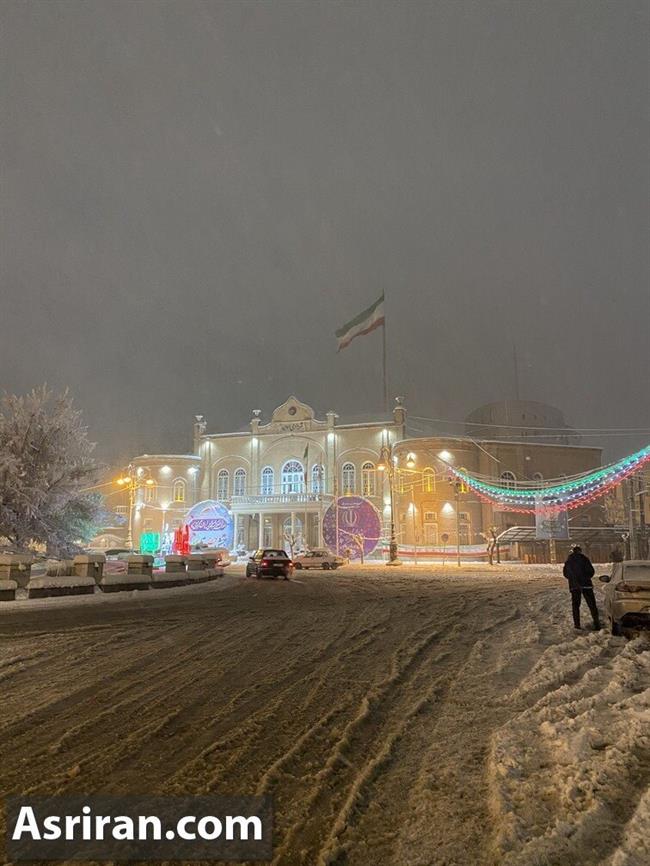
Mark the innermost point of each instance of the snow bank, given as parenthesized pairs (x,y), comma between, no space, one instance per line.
(570,775)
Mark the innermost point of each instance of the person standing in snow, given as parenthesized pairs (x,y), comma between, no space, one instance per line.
(578,570)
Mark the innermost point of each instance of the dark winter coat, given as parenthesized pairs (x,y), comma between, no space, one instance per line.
(578,570)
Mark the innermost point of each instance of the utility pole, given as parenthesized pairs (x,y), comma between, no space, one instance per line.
(387,464)
(630,517)
(458,486)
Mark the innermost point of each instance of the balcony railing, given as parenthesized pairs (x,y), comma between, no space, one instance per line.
(280,499)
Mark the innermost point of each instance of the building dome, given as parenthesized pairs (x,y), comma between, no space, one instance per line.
(520,420)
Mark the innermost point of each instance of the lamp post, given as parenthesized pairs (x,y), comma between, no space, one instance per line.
(132,482)
(386,464)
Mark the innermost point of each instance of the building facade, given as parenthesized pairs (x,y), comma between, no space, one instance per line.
(277,479)
(432,513)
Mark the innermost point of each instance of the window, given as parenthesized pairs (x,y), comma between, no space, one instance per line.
(223,483)
(508,479)
(348,474)
(317,478)
(368,479)
(430,516)
(293,477)
(150,492)
(178,490)
(430,533)
(428,481)
(239,482)
(538,478)
(147,524)
(266,486)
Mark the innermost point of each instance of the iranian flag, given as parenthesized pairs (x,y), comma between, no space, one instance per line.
(364,323)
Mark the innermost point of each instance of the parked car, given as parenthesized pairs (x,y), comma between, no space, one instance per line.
(269,562)
(320,558)
(627,595)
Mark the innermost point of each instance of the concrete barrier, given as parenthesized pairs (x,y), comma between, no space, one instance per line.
(175,563)
(8,589)
(14,566)
(139,575)
(52,585)
(90,565)
(59,568)
(168,579)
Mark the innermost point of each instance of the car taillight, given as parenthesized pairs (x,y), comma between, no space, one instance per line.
(630,587)
(264,562)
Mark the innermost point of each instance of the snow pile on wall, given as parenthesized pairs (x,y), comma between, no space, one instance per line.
(570,775)
(51,581)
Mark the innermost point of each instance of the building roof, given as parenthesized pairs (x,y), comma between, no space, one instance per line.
(605,534)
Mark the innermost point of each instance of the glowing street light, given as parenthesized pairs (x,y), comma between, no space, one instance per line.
(133,480)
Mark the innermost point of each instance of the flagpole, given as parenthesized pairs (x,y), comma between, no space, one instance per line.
(383,345)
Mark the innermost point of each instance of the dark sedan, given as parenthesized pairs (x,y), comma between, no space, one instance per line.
(269,562)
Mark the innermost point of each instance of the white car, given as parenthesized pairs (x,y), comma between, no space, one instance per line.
(320,558)
(627,595)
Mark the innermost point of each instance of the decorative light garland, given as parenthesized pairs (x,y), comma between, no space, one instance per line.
(581,490)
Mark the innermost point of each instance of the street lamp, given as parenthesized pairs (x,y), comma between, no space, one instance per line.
(386,464)
(132,481)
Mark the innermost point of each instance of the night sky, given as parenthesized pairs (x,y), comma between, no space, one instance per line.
(196,195)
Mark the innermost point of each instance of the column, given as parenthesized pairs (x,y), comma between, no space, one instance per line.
(234,530)
(260,533)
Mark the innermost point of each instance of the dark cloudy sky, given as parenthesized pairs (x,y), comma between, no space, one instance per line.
(195,195)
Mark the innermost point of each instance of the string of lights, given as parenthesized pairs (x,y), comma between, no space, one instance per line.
(580,490)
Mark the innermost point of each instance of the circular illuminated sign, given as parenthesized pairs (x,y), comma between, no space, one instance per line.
(210,524)
(359,526)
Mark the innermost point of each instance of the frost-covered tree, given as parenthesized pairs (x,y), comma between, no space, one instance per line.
(46,466)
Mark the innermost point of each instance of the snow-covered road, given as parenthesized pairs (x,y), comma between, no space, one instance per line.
(407,716)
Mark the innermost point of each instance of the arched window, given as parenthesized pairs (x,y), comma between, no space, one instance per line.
(538,478)
(239,482)
(150,492)
(223,479)
(178,490)
(428,480)
(349,478)
(508,479)
(266,486)
(368,479)
(317,478)
(293,477)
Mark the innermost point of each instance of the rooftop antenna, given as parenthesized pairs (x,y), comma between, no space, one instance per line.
(516,370)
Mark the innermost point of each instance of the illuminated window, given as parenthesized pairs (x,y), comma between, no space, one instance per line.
(368,479)
(267,481)
(348,475)
(317,478)
(178,490)
(239,482)
(428,481)
(508,479)
(223,483)
(150,492)
(293,477)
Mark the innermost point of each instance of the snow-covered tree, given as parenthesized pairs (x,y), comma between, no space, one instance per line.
(46,466)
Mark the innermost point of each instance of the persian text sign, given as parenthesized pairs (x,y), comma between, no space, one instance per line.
(358,523)
(210,524)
